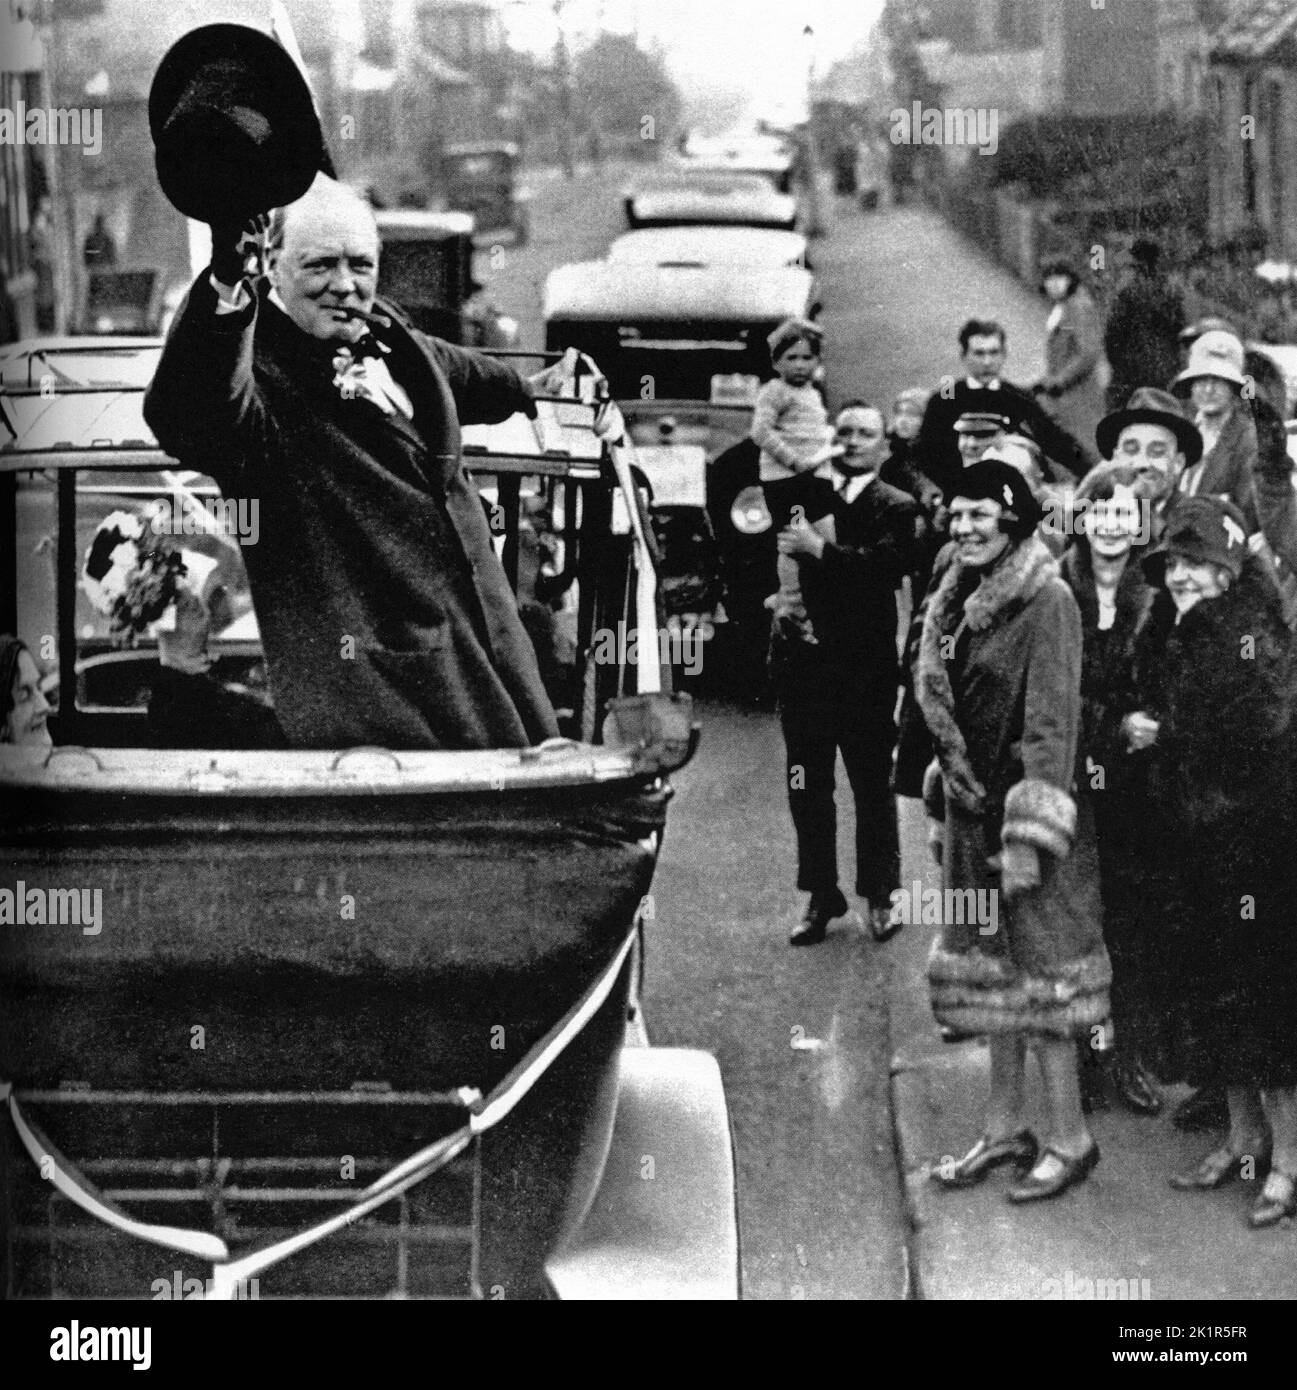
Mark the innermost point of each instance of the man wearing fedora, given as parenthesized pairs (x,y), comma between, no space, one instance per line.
(1213,382)
(1153,435)
(385,614)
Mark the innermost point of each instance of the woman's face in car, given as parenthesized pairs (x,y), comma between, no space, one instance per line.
(28,708)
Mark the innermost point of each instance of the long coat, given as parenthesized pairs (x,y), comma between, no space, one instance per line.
(1221,683)
(998,679)
(1142,338)
(1114,781)
(1073,362)
(1226,469)
(385,615)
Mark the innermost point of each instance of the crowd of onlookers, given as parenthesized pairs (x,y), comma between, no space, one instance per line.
(1097,708)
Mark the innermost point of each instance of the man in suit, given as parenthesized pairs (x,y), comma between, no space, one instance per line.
(840,692)
(981,387)
(385,615)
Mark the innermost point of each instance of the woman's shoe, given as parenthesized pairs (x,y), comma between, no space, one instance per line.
(1020,1149)
(1071,1171)
(1219,1167)
(1278,1200)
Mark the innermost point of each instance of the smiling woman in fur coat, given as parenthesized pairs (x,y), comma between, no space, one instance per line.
(1214,670)
(998,678)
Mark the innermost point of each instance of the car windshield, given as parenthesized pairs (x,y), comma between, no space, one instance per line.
(71,362)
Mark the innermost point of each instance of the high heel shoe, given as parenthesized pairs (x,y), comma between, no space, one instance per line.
(1071,1171)
(1270,1209)
(1020,1148)
(1218,1168)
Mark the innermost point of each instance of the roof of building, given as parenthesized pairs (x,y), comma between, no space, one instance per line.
(1259,29)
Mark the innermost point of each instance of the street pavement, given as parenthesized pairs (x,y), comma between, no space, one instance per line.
(840,1091)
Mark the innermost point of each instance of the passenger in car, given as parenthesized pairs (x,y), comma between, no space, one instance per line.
(26,708)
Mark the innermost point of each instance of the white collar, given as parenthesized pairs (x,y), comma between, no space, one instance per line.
(978,386)
(849,486)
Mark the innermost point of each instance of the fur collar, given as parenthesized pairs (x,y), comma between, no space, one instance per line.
(962,597)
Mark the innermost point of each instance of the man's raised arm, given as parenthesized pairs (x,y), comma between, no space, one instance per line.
(203,400)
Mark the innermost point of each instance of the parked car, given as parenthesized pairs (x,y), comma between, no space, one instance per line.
(676,197)
(772,157)
(747,247)
(313,964)
(426,266)
(482,178)
(684,350)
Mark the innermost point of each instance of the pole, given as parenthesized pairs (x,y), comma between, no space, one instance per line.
(563,76)
(814,218)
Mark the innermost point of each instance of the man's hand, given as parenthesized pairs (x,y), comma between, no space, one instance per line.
(560,378)
(800,538)
(231,250)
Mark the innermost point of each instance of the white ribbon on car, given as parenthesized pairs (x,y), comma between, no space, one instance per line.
(229,1275)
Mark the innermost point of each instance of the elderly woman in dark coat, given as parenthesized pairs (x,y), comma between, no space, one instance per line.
(998,678)
(1102,570)
(1215,672)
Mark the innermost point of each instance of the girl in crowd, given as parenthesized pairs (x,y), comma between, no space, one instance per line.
(1115,598)
(1214,673)
(26,708)
(791,428)
(998,678)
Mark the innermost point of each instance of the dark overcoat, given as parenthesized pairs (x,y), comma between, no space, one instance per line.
(1221,684)
(850,595)
(1114,781)
(1073,362)
(1226,469)
(998,678)
(385,614)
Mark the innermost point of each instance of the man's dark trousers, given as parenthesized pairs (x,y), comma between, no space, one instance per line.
(814,732)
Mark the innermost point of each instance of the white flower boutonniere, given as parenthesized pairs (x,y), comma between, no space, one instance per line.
(351,377)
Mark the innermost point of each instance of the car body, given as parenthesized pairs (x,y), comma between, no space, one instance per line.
(684,197)
(684,349)
(746,247)
(482,178)
(771,157)
(426,266)
(230,1067)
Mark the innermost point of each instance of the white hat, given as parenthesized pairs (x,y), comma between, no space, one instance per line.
(1217,354)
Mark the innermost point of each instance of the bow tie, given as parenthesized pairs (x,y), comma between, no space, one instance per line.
(366,346)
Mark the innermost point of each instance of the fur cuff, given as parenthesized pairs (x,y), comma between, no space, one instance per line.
(934,791)
(1040,814)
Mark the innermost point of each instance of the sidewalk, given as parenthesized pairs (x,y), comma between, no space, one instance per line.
(1124,1223)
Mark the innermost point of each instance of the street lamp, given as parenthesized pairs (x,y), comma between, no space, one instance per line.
(814,224)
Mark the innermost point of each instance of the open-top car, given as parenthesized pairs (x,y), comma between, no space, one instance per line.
(345,1022)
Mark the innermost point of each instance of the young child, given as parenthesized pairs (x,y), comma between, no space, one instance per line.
(791,427)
